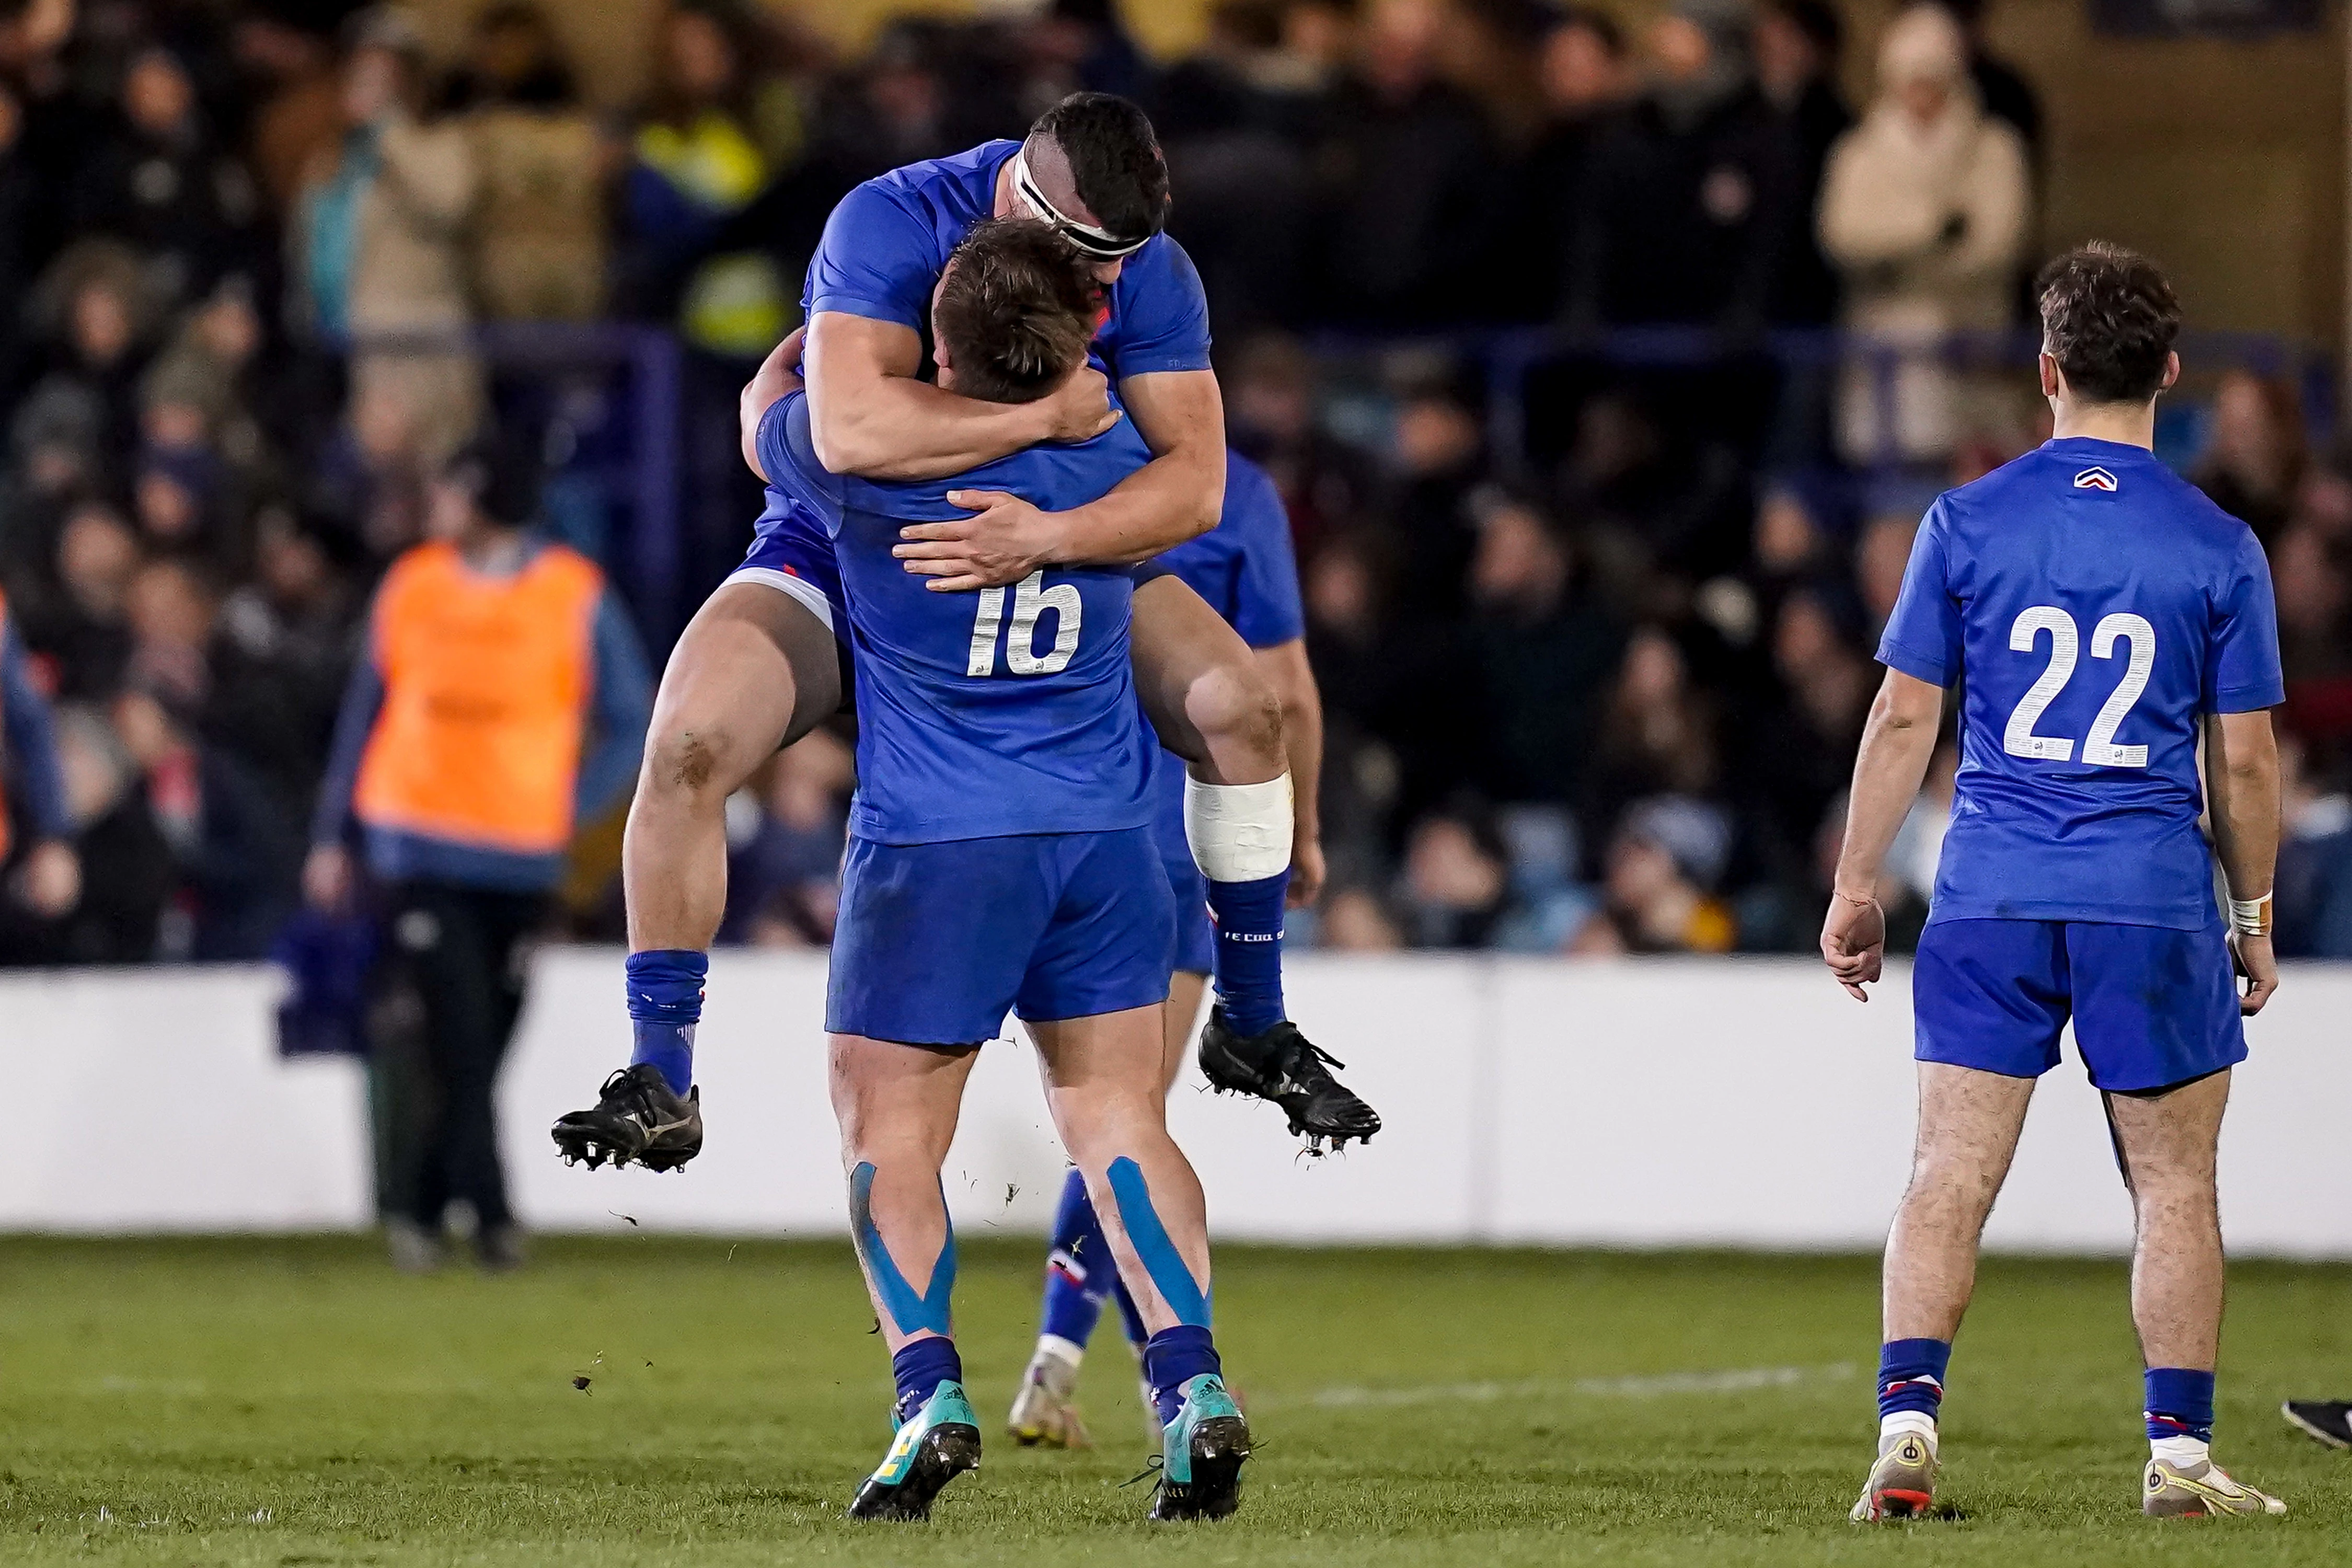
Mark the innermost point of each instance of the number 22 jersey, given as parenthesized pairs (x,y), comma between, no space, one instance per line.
(2093,604)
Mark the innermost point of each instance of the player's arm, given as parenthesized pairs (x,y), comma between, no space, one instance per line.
(1177,495)
(778,377)
(1895,747)
(869,417)
(1286,669)
(2242,787)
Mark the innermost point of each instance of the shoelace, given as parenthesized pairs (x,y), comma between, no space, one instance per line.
(1158,1463)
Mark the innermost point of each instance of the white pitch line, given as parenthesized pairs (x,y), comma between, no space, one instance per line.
(1650,1387)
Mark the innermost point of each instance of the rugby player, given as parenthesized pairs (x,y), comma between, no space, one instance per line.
(1245,570)
(767,658)
(2108,619)
(1001,858)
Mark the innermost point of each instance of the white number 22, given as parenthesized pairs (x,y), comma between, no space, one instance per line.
(1031,599)
(2099,748)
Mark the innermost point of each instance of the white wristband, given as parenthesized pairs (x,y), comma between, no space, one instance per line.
(2251,917)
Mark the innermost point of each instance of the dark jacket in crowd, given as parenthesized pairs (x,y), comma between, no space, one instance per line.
(1407,209)
(1691,219)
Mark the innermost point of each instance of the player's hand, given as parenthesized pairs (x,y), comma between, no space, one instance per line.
(1306,872)
(1853,942)
(50,880)
(2252,958)
(1079,409)
(327,877)
(1003,540)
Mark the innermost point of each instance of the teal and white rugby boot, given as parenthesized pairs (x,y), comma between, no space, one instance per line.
(934,1446)
(1202,1453)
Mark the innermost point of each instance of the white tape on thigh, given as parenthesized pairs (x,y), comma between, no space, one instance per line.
(1239,832)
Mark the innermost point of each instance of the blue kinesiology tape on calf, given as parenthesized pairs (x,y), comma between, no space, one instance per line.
(1161,1260)
(912,1313)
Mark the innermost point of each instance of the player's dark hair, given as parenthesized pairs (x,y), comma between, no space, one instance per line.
(1016,310)
(2108,317)
(1115,161)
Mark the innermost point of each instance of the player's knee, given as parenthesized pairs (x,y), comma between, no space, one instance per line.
(691,766)
(1236,710)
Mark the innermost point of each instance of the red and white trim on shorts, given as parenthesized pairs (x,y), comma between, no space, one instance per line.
(791,585)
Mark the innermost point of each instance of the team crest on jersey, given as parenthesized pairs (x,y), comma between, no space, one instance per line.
(2094,479)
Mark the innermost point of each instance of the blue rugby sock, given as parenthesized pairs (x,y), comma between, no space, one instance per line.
(1080,1272)
(920,1366)
(2179,1403)
(1911,1375)
(665,1004)
(1249,951)
(1173,1357)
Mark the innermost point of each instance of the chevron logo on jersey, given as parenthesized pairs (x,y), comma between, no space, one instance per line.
(2094,479)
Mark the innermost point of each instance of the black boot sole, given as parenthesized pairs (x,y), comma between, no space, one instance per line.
(945,1453)
(1220,1447)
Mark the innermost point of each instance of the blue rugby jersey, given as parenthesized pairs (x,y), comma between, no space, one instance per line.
(889,240)
(2098,604)
(981,715)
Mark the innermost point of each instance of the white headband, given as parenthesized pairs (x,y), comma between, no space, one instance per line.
(1098,243)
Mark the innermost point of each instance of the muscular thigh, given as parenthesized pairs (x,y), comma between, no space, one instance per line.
(754,671)
(1177,641)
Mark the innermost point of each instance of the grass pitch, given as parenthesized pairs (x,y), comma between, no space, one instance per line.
(283,1403)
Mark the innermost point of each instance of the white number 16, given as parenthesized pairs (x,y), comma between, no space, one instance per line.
(1031,599)
(2099,748)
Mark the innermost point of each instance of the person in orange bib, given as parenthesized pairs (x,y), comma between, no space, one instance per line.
(503,699)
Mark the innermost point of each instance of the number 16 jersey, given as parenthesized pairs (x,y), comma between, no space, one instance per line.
(981,715)
(2093,605)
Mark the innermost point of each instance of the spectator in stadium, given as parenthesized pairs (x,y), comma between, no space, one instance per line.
(2003,90)
(43,873)
(1924,206)
(1540,649)
(230,842)
(1658,733)
(1791,751)
(1234,134)
(283,651)
(75,606)
(170,607)
(502,698)
(538,238)
(2315,604)
(1798,47)
(21,194)
(709,141)
(379,246)
(2314,866)
(157,180)
(1880,557)
(2255,463)
(94,307)
(1584,77)
(1693,204)
(1662,868)
(1412,170)
(1456,891)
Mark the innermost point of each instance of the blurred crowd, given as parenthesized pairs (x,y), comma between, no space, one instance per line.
(1594,669)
